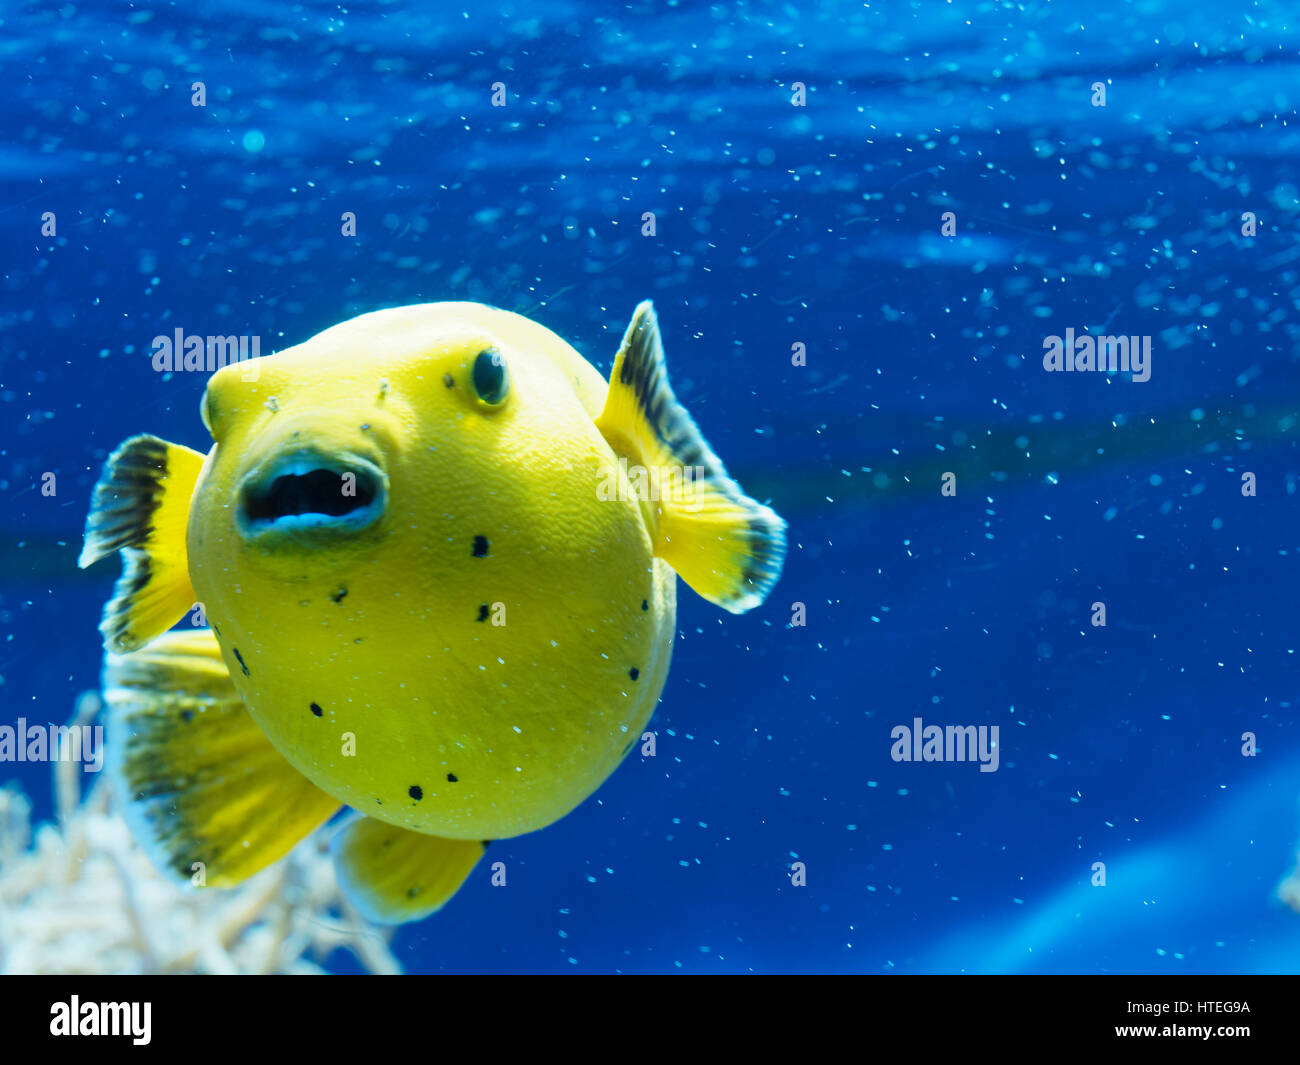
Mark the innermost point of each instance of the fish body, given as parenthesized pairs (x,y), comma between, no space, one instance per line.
(494,644)
(438,556)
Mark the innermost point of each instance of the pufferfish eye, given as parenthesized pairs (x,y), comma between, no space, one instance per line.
(490,377)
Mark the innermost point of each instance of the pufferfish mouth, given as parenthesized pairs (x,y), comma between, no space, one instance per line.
(307,491)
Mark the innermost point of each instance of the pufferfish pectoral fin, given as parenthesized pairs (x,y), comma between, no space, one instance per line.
(394,875)
(200,782)
(141,507)
(726,546)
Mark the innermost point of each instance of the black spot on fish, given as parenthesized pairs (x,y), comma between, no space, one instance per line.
(634,673)
(480,546)
(379,802)
(452,778)
(486,844)
(411,892)
(483,612)
(645,605)
(416,792)
(340,594)
(240,659)
(448,380)
(315,709)
(187,716)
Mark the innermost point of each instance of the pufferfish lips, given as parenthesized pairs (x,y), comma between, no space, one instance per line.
(308,490)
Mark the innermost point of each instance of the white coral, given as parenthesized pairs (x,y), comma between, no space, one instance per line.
(84,898)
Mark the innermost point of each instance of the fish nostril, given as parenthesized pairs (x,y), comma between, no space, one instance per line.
(320,492)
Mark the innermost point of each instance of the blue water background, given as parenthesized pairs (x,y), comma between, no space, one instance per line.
(776,224)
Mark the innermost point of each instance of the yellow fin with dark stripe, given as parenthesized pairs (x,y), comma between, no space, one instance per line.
(394,875)
(726,546)
(199,781)
(141,507)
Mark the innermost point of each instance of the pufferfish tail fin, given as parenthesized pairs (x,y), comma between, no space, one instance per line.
(726,546)
(202,788)
(393,875)
(141,507)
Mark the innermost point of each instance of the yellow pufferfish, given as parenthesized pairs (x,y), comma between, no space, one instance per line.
(438,590)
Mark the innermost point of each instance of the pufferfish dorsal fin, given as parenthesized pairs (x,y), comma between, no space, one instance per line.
(199,781)
(393,875)
(726,546)
(141,507)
